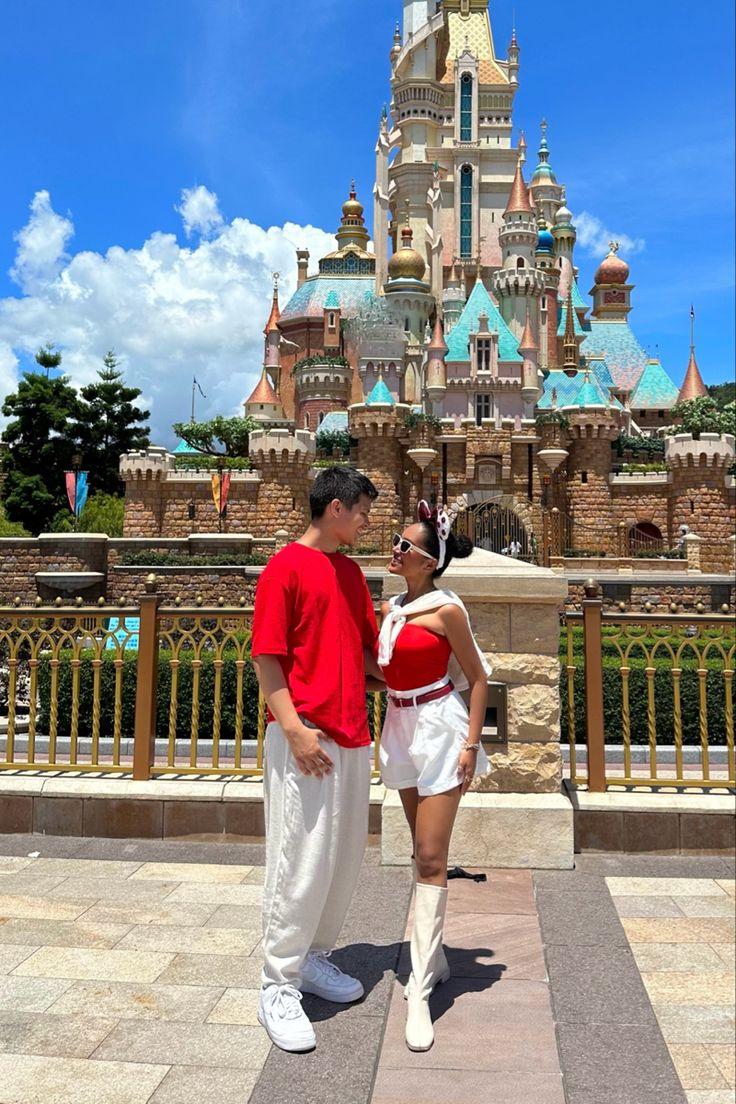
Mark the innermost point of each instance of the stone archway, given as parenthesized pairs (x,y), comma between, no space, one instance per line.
(497,523)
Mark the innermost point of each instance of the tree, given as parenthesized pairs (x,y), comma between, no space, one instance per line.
(723,394)
(108,425)
(102,513)
(47,358)
(39,445)
(701,415)
(230,434)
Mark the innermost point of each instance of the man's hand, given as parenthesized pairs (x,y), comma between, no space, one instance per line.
(307,751)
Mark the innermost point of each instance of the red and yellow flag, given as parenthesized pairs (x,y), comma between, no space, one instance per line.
(220,490)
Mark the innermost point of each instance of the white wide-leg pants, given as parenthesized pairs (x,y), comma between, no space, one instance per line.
(316,831)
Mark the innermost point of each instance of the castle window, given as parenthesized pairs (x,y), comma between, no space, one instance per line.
(331,320)
(520,262)
(466,108)
(306,421)
(583,477)
(661,413)
(407,327)
(482,408)
(321,417)
(466,211)
(544,302)
(483,355)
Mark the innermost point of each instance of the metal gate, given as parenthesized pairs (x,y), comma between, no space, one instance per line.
(496,529)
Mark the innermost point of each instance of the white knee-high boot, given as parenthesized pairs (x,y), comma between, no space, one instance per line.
(429,917)
(441,968)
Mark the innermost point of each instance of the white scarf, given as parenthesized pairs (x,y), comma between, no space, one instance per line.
(396,618)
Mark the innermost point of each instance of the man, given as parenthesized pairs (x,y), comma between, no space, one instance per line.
(314,632)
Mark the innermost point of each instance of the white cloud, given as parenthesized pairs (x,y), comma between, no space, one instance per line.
(41,245)
(168,311)
(594,237)
(200,211)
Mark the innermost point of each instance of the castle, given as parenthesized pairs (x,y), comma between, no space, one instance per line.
(459,353)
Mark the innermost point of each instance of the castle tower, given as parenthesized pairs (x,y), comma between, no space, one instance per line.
(570,352)
(436,371)
(264,404)
(381,207)
(545,192)
(410,301)
(611,292)
(565,236)
(544,258)
(531,390)
(453,299)
(450,131)
(518,285)
(272,354)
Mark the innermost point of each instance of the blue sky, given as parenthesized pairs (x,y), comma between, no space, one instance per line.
(115,108)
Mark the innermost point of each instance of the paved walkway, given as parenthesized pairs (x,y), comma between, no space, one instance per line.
(129,974)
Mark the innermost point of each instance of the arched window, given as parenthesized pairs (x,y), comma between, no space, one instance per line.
(520,262)
(331,320)
(321,416)
(466,108)
(466,211)
(306,421)
(407,327)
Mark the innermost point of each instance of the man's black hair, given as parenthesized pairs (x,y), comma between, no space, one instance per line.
(345,484)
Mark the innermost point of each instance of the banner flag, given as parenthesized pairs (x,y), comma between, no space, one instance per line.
(71,489)
(82,492)
(220,490)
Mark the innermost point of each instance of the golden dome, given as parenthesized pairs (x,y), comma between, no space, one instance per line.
(406,263)
(352,207)
(612,269)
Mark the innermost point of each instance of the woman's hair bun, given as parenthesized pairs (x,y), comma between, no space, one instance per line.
(462,548)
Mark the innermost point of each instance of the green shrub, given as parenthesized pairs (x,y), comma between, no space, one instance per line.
(643,468)
(638,696)
(644,446)
(181,559)
(203,462)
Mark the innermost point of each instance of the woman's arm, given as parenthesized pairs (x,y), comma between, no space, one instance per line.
(460,638)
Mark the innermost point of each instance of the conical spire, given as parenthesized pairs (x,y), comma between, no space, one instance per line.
(263,393)
(569,347)
(437,344)
(518,203)
(273,318)
(527,343)
(692,386)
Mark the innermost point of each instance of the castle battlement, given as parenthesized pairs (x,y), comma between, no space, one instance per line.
(710,450)
(283,444)
(378,419)
(150,463)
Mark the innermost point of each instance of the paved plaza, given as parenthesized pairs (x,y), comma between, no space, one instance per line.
(129,974)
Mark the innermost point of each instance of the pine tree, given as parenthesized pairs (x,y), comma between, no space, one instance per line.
(39,446)
(108,425)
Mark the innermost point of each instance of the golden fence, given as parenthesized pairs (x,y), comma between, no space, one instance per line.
(652,680)
(148,690)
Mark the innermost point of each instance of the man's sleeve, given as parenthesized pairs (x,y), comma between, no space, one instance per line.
(370,628)
(271,618)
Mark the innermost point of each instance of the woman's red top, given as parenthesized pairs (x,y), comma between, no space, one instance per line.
(420,658)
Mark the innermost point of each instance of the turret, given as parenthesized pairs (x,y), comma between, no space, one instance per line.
(272,355)
(611,291)
(453,299)
(570,356)
(565,234)
(544,190)
(692,386)
(518,284)
(436,373)
(531,390)
(514,60)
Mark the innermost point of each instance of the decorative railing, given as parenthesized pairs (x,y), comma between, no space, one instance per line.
(146,690)
(650,680)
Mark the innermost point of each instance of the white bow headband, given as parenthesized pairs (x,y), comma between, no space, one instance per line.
(439,520)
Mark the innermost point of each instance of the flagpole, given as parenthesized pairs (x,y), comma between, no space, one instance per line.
(194,381)
(692,327)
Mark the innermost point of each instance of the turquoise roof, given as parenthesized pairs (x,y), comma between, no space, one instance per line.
(563,321)
(380,394)
(333,422)
(590,394)
(577,299)
(655,389)
(566,387)
(351,294)
(601,371)
(616,343)
(183,449)
(458,341)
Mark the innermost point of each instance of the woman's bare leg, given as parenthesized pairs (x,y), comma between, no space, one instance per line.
(410,801)
(434,820)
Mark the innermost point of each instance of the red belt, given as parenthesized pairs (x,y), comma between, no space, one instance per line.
(431,695)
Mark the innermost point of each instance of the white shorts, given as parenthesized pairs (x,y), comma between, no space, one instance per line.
(421,744)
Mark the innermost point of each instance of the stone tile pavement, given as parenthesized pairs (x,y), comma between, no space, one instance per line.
(129,974)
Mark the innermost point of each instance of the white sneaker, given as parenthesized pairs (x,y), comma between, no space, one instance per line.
(322,978)
(280,1012)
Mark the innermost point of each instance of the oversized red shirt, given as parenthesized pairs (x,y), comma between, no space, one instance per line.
(314,611)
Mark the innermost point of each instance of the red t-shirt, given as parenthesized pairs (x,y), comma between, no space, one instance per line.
(314,611)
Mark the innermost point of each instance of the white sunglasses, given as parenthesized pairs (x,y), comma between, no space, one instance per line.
(405,546)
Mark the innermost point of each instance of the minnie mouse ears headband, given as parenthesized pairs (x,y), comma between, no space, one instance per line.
(438,518)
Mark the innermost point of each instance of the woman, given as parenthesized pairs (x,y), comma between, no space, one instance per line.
(430,744)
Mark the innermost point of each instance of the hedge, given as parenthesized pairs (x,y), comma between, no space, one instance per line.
(182,559)
(183,697)
(638,697)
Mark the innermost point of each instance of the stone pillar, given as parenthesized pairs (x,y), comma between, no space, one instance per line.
(516,815)
(692,549)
